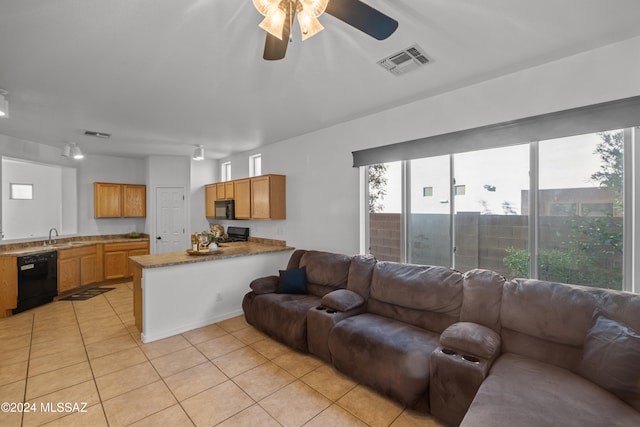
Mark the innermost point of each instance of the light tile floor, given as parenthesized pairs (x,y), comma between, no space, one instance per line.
(226,374)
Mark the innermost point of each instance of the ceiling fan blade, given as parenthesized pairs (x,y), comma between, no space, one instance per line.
(363,17)
(274,48)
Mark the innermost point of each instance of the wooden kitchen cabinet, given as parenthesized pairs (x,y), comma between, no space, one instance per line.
(220,191)
(224,190)
(210,200)
(119,200)
(8,285)
(77,267)
(116,258)
(134,200)
(229,188)
(107,200)
(268,197)
(243,199)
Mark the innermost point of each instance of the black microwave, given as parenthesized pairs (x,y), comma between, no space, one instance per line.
(225,209)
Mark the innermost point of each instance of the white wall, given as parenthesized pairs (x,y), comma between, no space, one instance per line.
(202,173)
(323,190)
(167,171)
(95,168)
(31,218)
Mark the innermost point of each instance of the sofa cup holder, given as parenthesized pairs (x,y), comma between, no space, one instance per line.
(321,307)
(328,310)
(470,359)
(465,357)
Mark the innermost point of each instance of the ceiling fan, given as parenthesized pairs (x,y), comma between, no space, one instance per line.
(279,16)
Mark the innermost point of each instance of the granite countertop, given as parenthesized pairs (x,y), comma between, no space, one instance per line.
(28,248)
(255,246)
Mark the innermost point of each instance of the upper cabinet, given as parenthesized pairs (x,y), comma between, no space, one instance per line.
(260,197)
(119,200)
(243,199)
(210,200)
(107,200)
(224,190)
(134,199)
(268,197)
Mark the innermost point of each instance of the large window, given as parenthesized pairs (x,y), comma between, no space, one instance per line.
(581,209)
(475,209)
(385,207)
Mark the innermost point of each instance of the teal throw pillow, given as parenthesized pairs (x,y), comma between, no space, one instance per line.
(293,281)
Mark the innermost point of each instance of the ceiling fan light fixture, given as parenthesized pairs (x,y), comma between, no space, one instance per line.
(314,7)
(273,22)
(309,24)
(264,6)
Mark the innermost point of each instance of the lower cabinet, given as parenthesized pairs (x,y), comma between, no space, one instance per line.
(116,258)
(8,285)
(86,265)
(77,267)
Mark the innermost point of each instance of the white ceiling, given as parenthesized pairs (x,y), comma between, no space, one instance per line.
(165,75)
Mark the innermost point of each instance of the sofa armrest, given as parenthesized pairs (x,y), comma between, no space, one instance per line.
(471,339)
(342,300)
(265,285)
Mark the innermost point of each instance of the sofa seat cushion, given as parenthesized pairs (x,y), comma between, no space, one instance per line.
(284,317)
(387,355)
(524,392)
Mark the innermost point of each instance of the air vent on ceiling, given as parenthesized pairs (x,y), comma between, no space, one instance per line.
(97,134)
(404,61)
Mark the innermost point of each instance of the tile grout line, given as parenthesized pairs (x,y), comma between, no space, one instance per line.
(26,380)
(84,345)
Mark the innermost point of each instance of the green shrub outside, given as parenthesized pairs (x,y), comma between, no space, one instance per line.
(565,266)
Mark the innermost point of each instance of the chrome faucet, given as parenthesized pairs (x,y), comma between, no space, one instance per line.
(50,231)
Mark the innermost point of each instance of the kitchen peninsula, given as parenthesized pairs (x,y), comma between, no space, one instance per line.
(177,292)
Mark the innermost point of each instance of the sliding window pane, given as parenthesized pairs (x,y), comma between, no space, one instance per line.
(429,220)
(491,216)
(580,211)
(385,207)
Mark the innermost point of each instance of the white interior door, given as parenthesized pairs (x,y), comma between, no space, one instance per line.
(170,220)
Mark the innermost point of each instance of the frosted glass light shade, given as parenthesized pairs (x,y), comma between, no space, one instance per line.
(273,22)
(309,24)
(264,6)
(314,7)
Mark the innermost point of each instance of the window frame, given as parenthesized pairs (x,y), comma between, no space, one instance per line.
(631,213)
(225,171)
(252,165)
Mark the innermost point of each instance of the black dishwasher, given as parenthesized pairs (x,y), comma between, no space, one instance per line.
(37,280)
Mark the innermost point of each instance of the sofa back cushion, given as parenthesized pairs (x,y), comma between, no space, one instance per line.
(326,271)
(482,297)
(424,296)
(547,321)
(360,273)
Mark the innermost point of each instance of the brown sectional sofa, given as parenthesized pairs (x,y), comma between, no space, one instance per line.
(473,349)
